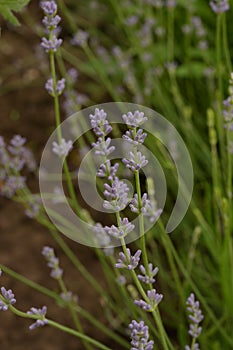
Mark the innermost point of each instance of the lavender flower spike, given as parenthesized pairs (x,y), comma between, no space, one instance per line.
(195,316)
(116,195)
(219,6)
(7,298)
(134,119)
(140,336)
(41,314)
(99,123)
(52,262)
(128,261)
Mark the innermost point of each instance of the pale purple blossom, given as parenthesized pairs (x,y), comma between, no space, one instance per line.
(72,75)
(59,86)
(124,228)
(69,297)
(134,119)
(51,45)
(116,195)
(17,142)
(52,262)
(219,6)
(51,22)
(195,316)
(127,260)
(171,3)
(49,8)
(99,123)
(63,148)
(107,170)
(41,321)
(136,161)
(7,298)
(135,139)
(80,38)
(11,185)
(152,302)
(148,277)
(148,207)
(140,336)
(101,236)
(103,147)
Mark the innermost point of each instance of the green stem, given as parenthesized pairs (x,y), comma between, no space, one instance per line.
(59,133)
(226,46)
(73,313)
(61,327)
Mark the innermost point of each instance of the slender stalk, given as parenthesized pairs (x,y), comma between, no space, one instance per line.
(61,328)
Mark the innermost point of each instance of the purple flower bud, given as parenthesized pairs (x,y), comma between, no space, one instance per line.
(80,38)
(116,195)
(140,336)
(128,261)
(108,170)
(219,6)
(101,236)
(195,316)
(51,45)
(148,207)
(52,262)
(135,161)
(8,299)
(137,139)
(102,147)
(121,231)
(41,317)
(153,300)
(99,123)
(49,7)
(51,23)
(62,149)
(148,278)
(134,119)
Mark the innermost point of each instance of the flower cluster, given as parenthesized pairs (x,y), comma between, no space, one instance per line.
(41,321)
(6,297)
(140,336)
(148,276)
(52,262)
(153,299)
(80,38)
(58,89)
(136,161)
(50,21)
(121,231)
(148,207)
(13,159)
(63,148)
(219,6)
(195,316)
(127,260)
(116,195)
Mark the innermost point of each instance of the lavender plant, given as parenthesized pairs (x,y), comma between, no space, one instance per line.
(173,57)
